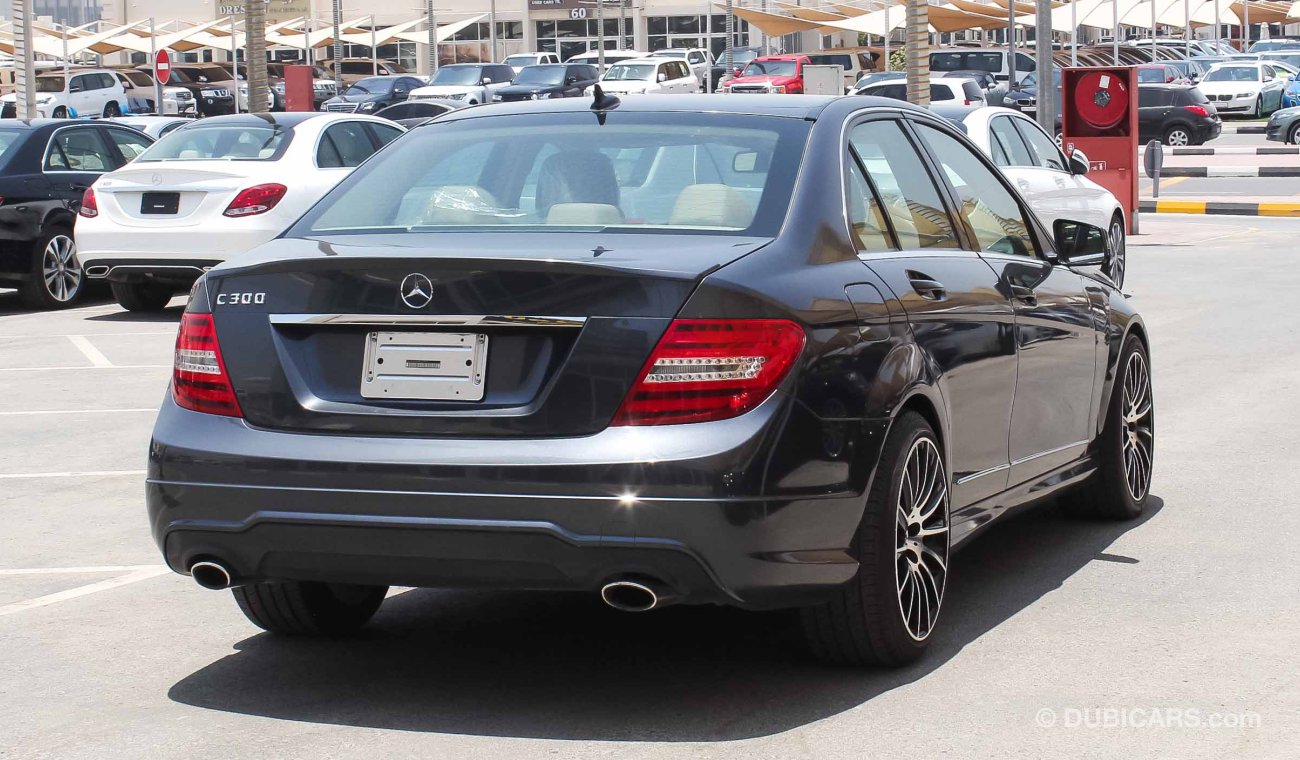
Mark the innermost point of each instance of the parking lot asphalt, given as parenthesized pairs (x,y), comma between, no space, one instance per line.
(1062,638)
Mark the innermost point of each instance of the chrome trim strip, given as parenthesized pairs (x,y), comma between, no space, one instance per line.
(981,474)
(443,320)
(1056,450)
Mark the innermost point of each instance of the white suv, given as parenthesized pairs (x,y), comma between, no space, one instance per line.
(84,92)
(176,101)
(518,61)
(655,75)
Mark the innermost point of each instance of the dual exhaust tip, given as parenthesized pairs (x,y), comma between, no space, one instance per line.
(636,596)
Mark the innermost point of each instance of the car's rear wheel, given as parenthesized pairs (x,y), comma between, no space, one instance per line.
(1295,134)
(1178,136)
(142,296)
(56,279)
(112,110)
(1118,490)
(1258,113)
(304,608)
(886,613)
(60,113)
(1118,262)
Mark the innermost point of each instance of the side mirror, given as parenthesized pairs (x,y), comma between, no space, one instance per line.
(1078,162)
(662,77)
(1079,243)
(486,81)
(570,80)
(75,87)
(203,79)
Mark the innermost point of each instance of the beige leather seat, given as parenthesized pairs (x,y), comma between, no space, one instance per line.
(711,205)
(584,214)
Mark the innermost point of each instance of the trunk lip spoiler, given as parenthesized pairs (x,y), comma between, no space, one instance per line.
(441,320)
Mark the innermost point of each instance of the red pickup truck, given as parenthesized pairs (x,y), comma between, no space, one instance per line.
(770,74)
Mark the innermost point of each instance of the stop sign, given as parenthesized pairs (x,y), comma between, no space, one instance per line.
(162,67)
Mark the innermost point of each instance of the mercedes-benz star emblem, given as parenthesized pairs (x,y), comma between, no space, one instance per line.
(416,290)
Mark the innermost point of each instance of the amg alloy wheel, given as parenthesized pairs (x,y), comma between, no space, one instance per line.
(1125,450)
(1117,261)
(56,282)
(886,613)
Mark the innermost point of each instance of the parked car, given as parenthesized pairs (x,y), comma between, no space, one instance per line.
(1160,73)
(275,87)
(855,64)
(896,408)
(322,84)
(649,76)
(211,191)
(740,58)
(409,113)
(373,94)
(592,57)
(1250,88)
(1176,114)
(769,74)
(992,60)
(519,60)
(1023,97)
(544,81)
(212,86)
(83,92)
(1055,185)
(699,60)
(45,167)
(1274,44)
(153,125)
(473,83)
(1284,126)
(877,76)
(139,87)
(942,89)
(1291,95)
(355,69)
(1189,70)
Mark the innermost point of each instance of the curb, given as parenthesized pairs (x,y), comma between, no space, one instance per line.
(1230,171)
(1244,129)
(1235,150)
(1219,208)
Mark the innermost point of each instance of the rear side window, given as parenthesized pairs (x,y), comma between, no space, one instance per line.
(957,61)
(1003,134)
(972,90)
(1152,98)
(1046,154)
(385,134)
(79,150)
(865,215)
(939,92)
(344,145)
(895,91)
(907,193)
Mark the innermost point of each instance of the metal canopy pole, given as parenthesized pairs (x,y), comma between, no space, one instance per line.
(234,63)
(153,61)
(1187,29)
(1114,30)
(888,29)
(1043,66)
(431,21)
(622,24)
(1245,29)
(374,49)
(492,30)
(1011,45)
(1074,34)
(1153,31)
(600,23)
(338,47)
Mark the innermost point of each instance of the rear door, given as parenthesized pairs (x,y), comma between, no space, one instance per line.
(1073,197)
(75,158)
(908,237)
(1055,335)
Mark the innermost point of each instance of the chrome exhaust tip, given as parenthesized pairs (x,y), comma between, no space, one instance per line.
(210,575)
(96,272)
(633,596)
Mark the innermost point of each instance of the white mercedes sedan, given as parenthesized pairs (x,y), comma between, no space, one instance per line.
(210,191)
(1053,183)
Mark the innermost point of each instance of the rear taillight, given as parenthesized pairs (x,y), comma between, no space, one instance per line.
(199,378)
(711,369)
(1198,110)
(89,206)
(258,199)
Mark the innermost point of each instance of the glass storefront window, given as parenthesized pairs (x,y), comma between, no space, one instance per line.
(692,31)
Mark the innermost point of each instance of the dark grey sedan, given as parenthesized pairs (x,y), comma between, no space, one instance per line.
(771,351)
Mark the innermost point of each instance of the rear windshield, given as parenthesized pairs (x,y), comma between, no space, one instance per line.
(218,143)
(636,172)
(832,60)
(958,60)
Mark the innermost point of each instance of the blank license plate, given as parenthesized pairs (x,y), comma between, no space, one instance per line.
(160,203)
(424,366)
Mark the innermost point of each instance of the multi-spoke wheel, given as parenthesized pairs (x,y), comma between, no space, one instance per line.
(56,279)
(887,612)
(1138,434)
(1178,137)
(1125,451)
(921,542)
(1117,262)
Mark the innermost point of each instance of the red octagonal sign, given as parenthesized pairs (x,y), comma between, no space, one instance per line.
(162,67)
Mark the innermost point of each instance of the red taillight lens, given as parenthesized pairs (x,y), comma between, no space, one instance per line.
(199,378)
(1198,110)
(89,206)
(258,199)
(711,369)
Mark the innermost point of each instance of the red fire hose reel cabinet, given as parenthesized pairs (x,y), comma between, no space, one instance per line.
(298,92)
(1099,116)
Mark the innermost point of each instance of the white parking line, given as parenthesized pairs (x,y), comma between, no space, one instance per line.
(136,575)
(88,350)
(87,474)
(113,366)
(93,335)
(75,570)
(78,411)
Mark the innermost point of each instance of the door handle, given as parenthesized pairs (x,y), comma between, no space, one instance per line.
(1023,294)
(927,288)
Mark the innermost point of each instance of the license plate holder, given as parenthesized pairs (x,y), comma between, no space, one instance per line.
(424,366)
(160,203)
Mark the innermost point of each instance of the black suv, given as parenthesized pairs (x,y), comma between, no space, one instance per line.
(1176,114)
(46,165)
(549,80)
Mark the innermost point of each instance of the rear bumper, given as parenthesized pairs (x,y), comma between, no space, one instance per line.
(517,514)
(176,271)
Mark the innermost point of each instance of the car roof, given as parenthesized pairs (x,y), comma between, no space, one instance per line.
(790,106)
(35,124)
(782,57)
(288,119)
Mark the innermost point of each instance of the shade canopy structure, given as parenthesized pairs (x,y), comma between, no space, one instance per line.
(385,36)
(445,31)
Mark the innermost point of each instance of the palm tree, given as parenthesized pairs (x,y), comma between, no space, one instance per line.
(259,93)
(918,52)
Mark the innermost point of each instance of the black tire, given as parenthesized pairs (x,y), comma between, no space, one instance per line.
(863,624)
(1177,136)
(1259,107)
(60,113)
(1117,241)
(1107,494)
(112,110)
(56,280)
(142,296)
(1295,134)
(303,608)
